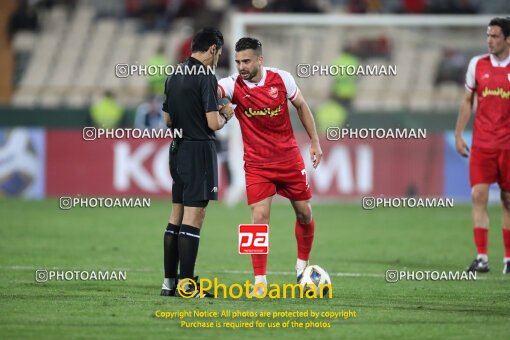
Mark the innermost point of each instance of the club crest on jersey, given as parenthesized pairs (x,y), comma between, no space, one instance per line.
(273,92)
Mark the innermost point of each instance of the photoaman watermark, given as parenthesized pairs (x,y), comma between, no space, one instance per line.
(187,288)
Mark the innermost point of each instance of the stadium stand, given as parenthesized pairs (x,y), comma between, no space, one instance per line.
(71,58)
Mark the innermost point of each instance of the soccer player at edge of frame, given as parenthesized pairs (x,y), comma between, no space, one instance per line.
(273,162)
(488,76)
(191,104)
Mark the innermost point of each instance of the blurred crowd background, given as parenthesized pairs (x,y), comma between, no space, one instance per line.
(63,52)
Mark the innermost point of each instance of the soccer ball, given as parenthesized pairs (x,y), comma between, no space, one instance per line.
(314,277)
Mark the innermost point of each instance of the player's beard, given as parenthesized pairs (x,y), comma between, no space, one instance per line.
(253,73)
(496,49)
(497,52)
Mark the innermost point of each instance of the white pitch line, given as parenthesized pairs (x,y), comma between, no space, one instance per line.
(247,272)
(240,272)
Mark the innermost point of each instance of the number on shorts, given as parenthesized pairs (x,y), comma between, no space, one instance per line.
(303,172)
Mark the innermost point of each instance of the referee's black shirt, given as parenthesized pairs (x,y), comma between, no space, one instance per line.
(188,97)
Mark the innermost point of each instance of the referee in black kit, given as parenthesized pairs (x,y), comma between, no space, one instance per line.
(192,105)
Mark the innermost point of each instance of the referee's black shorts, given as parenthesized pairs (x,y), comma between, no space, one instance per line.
(194,170)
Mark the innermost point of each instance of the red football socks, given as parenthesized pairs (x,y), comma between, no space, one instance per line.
(259,263)
(481,240)
(506,241)
(304,238)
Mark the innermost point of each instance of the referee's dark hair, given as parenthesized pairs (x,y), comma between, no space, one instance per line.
(503,23)
(248,43)
(205,38)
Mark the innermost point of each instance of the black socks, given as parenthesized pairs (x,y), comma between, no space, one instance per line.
(171,250)
(189,237)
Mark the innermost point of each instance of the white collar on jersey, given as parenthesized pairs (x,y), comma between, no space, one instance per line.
(497,63)
(260,83)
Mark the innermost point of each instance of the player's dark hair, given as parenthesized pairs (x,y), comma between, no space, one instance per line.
(248,43)
(503,23)
(205,38)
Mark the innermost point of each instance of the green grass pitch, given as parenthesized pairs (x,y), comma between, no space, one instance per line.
(354,245)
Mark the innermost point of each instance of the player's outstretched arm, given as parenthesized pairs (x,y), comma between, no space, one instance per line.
(306,117)
(466,106)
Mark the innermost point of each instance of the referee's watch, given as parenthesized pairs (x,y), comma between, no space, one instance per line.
(224,116)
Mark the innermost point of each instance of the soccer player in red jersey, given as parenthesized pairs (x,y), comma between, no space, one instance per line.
(488,77)
(273,163)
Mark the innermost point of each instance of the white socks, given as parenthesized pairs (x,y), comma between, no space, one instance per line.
(300,265)
(260,279)
(169,283)
(483,257)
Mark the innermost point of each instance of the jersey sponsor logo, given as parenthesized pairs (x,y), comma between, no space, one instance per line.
(253,239)
(499,92)
(273,92)
(263,112)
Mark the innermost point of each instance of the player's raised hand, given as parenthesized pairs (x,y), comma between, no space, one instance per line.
(461,146)
(315,154)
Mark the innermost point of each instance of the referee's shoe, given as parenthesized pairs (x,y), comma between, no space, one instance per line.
(190,288)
